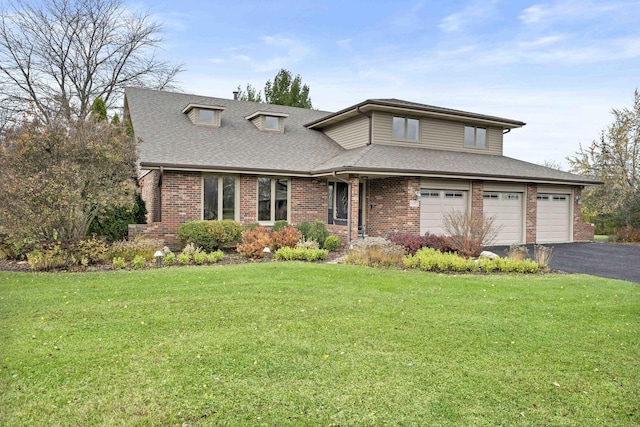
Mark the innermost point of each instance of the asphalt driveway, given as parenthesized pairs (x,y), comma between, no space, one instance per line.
(598,259)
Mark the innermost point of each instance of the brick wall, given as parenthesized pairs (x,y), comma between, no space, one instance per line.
(309,200)
(477,199)
(248,200)
(393,206)
(531,210)
(149,191)
(582,231)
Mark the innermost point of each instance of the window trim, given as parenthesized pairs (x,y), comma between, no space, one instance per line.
(272,214)
(236,201)
(406,128)
(475,137)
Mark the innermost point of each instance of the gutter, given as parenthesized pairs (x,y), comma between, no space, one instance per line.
(335,175)
(370,116)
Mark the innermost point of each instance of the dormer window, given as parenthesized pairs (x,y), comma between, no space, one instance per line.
(272,122)
(268,121)
(208,115)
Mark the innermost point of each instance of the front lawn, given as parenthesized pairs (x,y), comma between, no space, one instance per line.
(315,344)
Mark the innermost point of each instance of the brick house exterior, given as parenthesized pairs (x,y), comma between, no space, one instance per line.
(346,169)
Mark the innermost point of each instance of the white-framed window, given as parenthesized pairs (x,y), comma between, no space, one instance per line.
(405,128)
(273,199)
(453,195)
(488,195)
(475,136)
(430,194)
(510,196)
(543,197)
(220,197)
(272,123)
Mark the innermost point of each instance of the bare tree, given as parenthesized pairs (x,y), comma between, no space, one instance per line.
(57,56)
(469,233)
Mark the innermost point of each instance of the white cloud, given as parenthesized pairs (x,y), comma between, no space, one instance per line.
(572,10)
(474,12)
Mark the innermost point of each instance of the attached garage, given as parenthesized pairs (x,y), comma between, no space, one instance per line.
(434,204)
(506,209)
(553,220)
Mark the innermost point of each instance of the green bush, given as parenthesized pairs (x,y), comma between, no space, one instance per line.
(184,259)
(279,225)
(170,258)
(210,235)
(305,228)
(215,256)
(128,249)
(113,224)
(138,261)
(119,262)
(64,254)
(429,259)
(90,251)
(331,243)
(199,257)
(300,254)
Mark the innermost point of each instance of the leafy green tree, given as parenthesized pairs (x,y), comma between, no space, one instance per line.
(249,94)
(287,90)
(284,90)
(614,160)
(56,178)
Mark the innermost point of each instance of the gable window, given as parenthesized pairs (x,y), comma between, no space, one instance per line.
(272,122)
(475,136)
(273,199)
(405,128)
(219,200)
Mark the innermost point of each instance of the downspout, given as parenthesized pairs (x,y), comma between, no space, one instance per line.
(335,175)
(160,194)
(370,116)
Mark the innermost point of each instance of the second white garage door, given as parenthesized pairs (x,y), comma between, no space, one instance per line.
(553,218)
(434,204)
(506,209)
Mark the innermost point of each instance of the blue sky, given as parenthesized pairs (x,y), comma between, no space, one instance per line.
(558,65)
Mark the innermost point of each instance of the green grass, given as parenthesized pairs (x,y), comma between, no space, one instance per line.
(600,238)
(314,344)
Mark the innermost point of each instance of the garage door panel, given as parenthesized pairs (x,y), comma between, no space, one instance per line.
(434,204)
(506,210)
(553,218)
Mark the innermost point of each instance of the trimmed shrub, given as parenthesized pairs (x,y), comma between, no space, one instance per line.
(439,243)
(210,235)
(90,251)
(184,258)
(331,243)
(304,227)
(300,254)
(170,258)
(255,240)
(429,259)
(119,262)
(409,241)
(199,257)
(215,256)
(138,262)
(128,249)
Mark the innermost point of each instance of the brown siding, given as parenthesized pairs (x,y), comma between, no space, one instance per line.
(390,207)
(435,133)
(353,133)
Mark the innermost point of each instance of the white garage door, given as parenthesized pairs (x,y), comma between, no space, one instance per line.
(553,218)
(506,209)
(434,204)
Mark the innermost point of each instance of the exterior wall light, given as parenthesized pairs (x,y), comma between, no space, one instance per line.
(158,256)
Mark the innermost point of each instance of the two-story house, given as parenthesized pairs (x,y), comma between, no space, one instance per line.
(380,166)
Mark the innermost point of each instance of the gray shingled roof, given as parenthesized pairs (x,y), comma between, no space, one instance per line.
(415,161)
(169,139)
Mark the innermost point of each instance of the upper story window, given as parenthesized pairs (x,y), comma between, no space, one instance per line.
(268,121)
(475,136)
(204,114)
(405,128)
(272,122)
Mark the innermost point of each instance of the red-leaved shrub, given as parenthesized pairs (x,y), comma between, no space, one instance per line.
(409,241)
(439,242)
(254,240)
